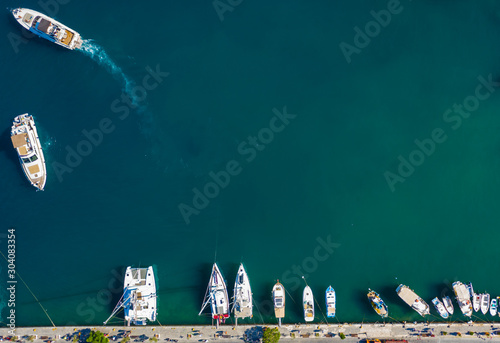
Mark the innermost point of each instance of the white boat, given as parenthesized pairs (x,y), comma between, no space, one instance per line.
(330,300)
(440,308)
(493,307)
(139,296)
(463,298)
(279,300)
(242,305)
(476,302)
(485,302)
(413,300)
(216,296)
(308,304)
(25,140)
(448,304)
(498,303)
(45,27)
(471,289)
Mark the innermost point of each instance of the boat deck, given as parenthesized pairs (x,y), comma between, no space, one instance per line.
(66,40)
(279,312)
(243,313)
(407,295)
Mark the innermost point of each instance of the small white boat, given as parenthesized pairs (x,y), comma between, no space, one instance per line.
(308,303)
(448,304)
(45,27)
(279,301)
(330,302)
(440,308)
(476,302)
(485,302)
(139,296)
(216,296)
(471,289)
(29,150)
(493,307)
(242,305)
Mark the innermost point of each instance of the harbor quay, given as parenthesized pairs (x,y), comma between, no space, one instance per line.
(306,333)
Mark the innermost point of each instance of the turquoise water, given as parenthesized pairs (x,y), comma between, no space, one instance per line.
(319,179)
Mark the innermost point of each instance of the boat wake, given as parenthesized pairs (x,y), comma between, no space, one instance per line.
(99,55)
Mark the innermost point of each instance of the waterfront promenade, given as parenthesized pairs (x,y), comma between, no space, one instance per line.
(252,333)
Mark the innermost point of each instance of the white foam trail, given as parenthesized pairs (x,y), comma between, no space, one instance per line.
(97,53)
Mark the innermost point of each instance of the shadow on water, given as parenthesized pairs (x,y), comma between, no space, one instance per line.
(6,146)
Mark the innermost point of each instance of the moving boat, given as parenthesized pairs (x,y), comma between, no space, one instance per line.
(330,302)
(139,296)
(448,304)
(485,302)
(279,301)
(25,140)
(242,306)
(308,303)
(216,296)
(493,307)
(476,302)
(378,304)
(440,308)
(45,27)
(463,298)
(413,300)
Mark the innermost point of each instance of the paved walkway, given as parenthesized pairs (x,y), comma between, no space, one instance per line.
(251,333)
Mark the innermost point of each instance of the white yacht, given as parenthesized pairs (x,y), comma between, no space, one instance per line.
(139,296)
(413,300)
(485,302)
(331,301)
(27,144)
(279,301)
(242,305)
(448,304)
(463,298)
(45,27)
(308,303)
(440,308)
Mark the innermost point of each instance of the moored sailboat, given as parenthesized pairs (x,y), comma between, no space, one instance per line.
(242,306)
(25,140)
(331,301)
(308,304)
(378,304)
(279,301)
(440,308)
(216,296)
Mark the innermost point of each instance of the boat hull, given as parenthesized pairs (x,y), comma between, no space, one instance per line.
(308,304)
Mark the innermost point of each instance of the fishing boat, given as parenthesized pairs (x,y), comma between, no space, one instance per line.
(279,301)
(308,303)
(471,289)
(413,300)
(476,302)
(485,302)
(139,296)
(25,140)
(330,302)
(242,305)
(216,296)
(45,27)
(463,298)
(440,308)
(493,307)
(378,304)
(448,304)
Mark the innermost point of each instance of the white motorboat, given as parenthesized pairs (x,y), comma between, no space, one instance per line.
(493,307)
(485,302)
(331,301)
(413,300)
(308,303)
(463,298)
(448,304)
(279,301)
(440,308)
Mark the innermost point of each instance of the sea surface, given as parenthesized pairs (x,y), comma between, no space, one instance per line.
(358,161)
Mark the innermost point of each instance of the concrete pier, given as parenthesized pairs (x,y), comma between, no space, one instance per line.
(252,333)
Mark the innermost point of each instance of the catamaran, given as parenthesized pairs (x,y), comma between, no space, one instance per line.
(45,27)
(476,302)
(139,296)
(440,308)
(330,302)
(378,304)
(413,300)
(463,298)
(279,301)
(493,307)
(308,303)
(216,296)
(485,302)
(242,305)
(29,150)
(448,304)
